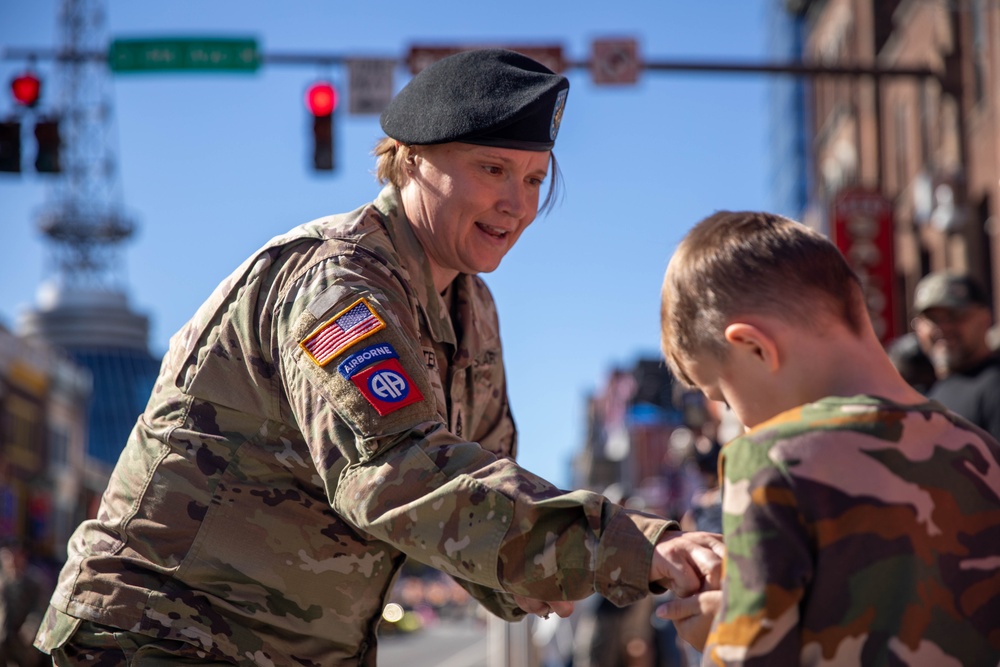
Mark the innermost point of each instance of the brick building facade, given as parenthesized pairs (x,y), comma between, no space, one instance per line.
(929,145)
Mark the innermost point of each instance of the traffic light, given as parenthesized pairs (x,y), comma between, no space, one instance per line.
(26,89)
(47,135)
(321,101)
(10,146)
(323,143)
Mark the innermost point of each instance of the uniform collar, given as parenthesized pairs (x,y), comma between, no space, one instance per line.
(414,260)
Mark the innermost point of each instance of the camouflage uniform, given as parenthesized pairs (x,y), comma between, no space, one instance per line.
(324,415)
(860,532)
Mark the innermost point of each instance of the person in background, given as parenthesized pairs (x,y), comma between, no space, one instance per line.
(912,363)
(705,512)
(21,604)
(861,520)
(339,405)
(952,324)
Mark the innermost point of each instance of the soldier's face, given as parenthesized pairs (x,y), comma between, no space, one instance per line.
(469,204)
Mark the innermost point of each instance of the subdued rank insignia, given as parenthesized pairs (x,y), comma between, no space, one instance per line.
(351,325)
(387,386)
(557,114)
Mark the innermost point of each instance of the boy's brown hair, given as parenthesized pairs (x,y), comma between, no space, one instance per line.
(745,262)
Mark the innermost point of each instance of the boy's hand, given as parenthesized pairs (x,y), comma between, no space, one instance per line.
(692,616)
(562,608)
(688,563)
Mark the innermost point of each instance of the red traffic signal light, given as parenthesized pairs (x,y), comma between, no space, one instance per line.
(26,89)
(321,98)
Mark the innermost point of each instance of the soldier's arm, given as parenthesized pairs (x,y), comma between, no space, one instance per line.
(497,602)
(392,468)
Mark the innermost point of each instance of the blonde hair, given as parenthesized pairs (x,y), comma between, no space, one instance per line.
(737,263)
(391,158)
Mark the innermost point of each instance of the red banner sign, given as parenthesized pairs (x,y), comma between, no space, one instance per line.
(862,227)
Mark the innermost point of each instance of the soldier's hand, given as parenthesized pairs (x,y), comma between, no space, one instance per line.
(692,616)
(562,608)
(687,563)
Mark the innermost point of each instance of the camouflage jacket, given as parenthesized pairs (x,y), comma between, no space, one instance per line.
(323,416)
(860,532)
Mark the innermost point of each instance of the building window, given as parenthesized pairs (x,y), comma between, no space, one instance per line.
(899,130)
(59,445)
(22,431)
(978,49)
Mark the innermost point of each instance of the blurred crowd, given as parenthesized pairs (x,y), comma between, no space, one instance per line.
(25,586)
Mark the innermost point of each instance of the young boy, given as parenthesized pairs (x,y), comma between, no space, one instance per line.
(862,522)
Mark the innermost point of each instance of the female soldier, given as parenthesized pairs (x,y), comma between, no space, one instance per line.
(338,405)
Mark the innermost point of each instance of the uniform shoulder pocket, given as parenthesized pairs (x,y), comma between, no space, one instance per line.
(356,357)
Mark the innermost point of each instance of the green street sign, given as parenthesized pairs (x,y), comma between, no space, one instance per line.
(183,54)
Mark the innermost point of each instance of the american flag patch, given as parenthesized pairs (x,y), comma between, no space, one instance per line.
(353,324)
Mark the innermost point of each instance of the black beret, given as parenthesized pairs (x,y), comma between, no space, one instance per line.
(492,97)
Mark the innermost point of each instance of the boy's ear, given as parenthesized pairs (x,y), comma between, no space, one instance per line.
(749,339)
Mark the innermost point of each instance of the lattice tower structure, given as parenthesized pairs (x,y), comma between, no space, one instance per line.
(83,216)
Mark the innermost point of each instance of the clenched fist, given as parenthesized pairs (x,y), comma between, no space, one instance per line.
(688,563)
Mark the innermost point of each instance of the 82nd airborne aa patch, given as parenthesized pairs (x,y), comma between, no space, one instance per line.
(376,371)
(387,386)
(351,325)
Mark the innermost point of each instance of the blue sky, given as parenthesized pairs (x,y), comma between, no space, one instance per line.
(213,165)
